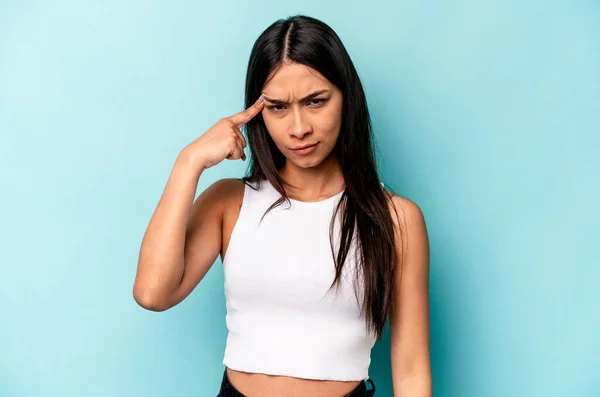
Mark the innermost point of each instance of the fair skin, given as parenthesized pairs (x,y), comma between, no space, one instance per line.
(185,237)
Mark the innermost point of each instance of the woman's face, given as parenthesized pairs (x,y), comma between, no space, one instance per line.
(302,108)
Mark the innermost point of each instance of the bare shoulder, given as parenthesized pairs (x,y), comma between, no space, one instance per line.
(224,190)
(227,186)
(405,211)
(412,239)
(217,198)
(229,194)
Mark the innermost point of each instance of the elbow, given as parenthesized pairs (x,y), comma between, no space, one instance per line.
(149,299)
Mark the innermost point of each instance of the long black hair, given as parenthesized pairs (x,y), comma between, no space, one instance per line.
(364,205)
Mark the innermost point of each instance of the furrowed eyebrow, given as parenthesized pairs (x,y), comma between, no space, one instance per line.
(310,96)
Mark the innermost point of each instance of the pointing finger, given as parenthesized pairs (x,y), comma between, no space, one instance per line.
(241,118)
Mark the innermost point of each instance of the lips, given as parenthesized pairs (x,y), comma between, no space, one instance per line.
(305,149)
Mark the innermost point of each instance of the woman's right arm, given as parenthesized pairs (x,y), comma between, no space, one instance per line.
(183,238)
(164,275)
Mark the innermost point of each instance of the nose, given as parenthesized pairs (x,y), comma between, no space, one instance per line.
(300,127)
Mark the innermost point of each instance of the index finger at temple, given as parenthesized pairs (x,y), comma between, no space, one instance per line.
(241,118)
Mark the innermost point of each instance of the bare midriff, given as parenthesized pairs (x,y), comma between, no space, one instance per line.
(262,385)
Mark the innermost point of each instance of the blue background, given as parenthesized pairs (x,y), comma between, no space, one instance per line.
(486,114)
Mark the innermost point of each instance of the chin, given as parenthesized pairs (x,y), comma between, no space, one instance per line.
(309,162)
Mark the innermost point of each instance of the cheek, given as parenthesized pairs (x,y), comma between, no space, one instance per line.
(276,128)
(330,122)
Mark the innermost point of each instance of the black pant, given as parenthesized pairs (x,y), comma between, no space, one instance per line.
(228,390)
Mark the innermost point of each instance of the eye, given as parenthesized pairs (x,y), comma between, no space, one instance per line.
(317,101)
(276,108)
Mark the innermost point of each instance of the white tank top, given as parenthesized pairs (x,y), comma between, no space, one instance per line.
(281,318)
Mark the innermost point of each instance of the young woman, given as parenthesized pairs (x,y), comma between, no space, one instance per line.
(317,254)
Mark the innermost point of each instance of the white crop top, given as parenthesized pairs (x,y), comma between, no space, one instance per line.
(281,318)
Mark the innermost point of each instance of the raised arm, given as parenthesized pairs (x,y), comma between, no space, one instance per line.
(183,238)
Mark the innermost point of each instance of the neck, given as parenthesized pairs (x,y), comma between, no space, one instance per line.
(325,179)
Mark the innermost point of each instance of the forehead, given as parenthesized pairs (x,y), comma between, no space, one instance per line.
(295,80)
